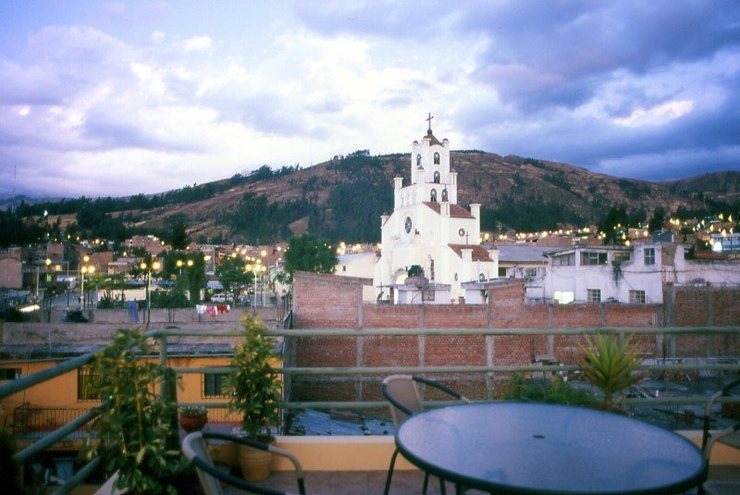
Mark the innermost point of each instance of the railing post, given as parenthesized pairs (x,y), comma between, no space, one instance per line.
(168,392)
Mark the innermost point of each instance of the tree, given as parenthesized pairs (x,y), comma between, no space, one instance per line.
(232,273)
(614,225)
(656,223)
(179,236)
(310,254)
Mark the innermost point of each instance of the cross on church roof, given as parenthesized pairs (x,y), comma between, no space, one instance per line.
(429,119)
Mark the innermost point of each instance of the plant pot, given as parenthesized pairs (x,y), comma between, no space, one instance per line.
(223,452)
(193,423)
(256,465)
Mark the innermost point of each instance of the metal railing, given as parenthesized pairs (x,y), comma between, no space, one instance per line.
(729,364)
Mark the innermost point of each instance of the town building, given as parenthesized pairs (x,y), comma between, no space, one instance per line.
(528,262)
(633,274)
(430,236)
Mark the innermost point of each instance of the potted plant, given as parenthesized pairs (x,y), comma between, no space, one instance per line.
(609,364)
(137,430)
(255,392)
(193,418)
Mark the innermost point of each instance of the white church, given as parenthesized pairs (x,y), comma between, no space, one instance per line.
(430,231)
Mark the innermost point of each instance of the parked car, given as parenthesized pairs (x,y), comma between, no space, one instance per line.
(222,298)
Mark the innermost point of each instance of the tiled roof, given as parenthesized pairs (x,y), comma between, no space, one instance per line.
(479,253)
(456,211)
(433,140)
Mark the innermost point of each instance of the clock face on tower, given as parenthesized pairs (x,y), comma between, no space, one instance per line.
(408,225)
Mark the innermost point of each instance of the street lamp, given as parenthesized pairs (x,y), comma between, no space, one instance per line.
(47,262)
(85,268)
(154,266)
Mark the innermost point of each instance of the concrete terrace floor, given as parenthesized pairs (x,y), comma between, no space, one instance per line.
(404,482)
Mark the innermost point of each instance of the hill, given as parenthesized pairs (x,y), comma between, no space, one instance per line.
(344,197)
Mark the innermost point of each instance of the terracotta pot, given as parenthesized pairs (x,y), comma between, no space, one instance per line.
(193,423)
(256,465)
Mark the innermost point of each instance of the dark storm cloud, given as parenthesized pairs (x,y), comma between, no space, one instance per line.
(558,53)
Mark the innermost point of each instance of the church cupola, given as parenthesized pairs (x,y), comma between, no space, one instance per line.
(430,158)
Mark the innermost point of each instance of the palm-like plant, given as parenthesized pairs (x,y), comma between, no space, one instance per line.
(610,364)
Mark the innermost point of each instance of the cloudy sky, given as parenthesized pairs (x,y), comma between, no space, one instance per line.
(118,98)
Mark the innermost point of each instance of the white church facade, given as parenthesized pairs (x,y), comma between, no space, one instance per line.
(428,229)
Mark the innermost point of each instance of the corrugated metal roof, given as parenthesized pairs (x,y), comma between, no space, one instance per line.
(508,253)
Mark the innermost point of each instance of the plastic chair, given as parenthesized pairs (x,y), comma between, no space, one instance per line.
(729,436)
(405,399)
(195,448)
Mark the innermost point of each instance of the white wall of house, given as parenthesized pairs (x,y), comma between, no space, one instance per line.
(720,272)
(356,265)
(632,280)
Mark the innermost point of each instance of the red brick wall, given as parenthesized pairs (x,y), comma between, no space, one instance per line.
(389,316)
(327,301)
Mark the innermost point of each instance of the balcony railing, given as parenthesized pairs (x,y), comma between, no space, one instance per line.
(51,418)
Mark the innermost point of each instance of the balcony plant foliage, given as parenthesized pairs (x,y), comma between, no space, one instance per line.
(253,386)
(135,427)
(609,364)
(554,391)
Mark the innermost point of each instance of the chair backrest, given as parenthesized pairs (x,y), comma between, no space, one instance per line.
(194,445)
(404,397)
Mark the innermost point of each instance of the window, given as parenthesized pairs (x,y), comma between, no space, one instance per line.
(10,373)
(433,197)
(436,158)
(436,177)
(214,385)
(418,160)
(621,256)
(593,258)
(530,272)
(563,297)
(444,194)
(564,260)
(649,256)
(637,297)
(87,384)
(593,295)
(501,271)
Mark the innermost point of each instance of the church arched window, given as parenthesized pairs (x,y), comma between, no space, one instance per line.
(434,196)
(418,160)
(436,158)
(436,177)
(444,195)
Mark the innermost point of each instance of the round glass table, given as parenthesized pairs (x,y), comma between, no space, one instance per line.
(527,448)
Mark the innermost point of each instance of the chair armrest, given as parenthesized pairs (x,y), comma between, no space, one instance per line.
(234,481)
(394,402)
(439,386)
(266,447)
(708,410)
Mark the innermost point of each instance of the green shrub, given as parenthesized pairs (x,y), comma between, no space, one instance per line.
(556,391)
